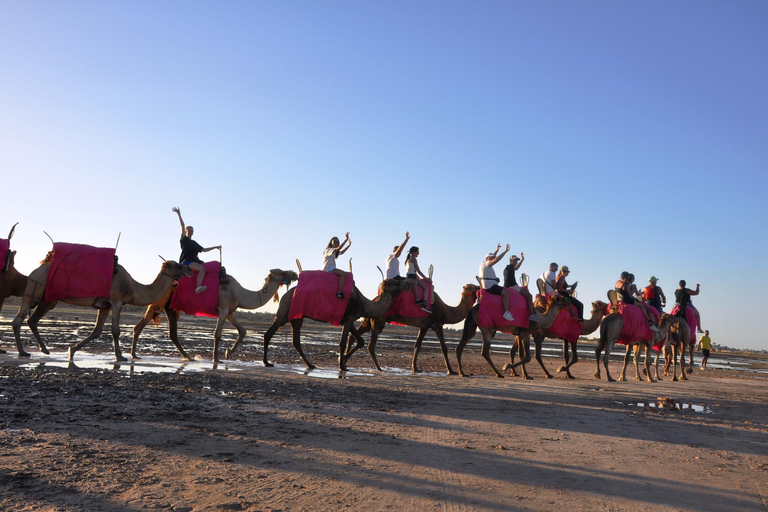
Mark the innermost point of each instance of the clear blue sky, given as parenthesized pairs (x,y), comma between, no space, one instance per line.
(602,135)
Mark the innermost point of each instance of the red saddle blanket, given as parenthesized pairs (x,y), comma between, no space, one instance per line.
(5,245)
(204,303)
(78,271)
(690,317)
(315,297)
(567,326)
(491,310)
(405,305)
(635,329)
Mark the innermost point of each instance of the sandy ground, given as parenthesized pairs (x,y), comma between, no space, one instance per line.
(246,437)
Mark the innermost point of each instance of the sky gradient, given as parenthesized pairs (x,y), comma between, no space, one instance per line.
(605,136)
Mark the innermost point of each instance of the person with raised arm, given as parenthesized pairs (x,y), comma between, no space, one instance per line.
(510,281)
(333,250)
(190,250)
(490,282)
(393,263)
(683,299)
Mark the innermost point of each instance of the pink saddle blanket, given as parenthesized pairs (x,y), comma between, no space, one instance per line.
(491,310)
(635,329)
(79,271)
(405,305)
(567,326)
(690,317)
(5,246)
(315,297)
(204,303)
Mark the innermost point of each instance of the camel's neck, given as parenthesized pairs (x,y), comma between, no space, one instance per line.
(17,283)
(254,300)
(591,324)
(549,317)
(454,315)
(144,294)
(376,308)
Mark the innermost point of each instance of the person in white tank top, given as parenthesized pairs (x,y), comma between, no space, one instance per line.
(491,283)
(393,263)
(331,252)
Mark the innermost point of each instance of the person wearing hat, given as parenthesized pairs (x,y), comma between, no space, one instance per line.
(566,290)
(510,281)
(654,295)
(490,282)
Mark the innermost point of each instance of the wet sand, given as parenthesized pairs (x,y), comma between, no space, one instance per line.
(161,434)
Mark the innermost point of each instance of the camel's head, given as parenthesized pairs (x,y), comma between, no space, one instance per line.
(557,300)
(175,270)
(470,290)
(284,277)
(667,321)
(599,306)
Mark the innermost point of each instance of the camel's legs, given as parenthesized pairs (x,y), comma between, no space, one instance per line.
(365,326)
(647,361)
(441,338)
(486,350)
(276,324)
(241,332)
(1,308)
(623,374)
(568,364)
(173,331)
(223,314)
(470,329)
(375,330)
(40,311)
(656,364)
(524,352)
(117,308)
(606,357)
(348,330)
(16,325)
(682,362)
(148,316)
(538,342)
(296,330)
(100,320)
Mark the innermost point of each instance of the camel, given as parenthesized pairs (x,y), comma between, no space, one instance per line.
(441,314)
(357,306)
(123,290)
(232,295)
(553,307)
(676,342)
(588,326)
(610,331)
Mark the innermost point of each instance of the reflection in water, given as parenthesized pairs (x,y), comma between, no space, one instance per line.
(670,404)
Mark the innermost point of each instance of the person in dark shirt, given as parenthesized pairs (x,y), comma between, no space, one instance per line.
(190,250)
(683,300)
(510,281)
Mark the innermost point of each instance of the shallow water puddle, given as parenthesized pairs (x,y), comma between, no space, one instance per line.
(156,364)
(670,404)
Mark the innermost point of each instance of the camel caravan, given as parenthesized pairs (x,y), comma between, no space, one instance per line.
(84,275)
